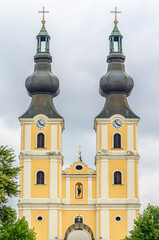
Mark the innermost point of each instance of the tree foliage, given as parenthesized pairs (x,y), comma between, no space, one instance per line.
(146,227)
(10,228)
(18,230)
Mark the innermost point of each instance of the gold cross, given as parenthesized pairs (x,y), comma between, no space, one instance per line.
(43,12)
(116,12)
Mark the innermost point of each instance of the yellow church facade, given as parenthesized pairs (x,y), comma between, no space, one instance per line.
(103,201)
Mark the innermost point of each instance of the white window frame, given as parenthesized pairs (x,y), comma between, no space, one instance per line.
(40,170)
(117,170)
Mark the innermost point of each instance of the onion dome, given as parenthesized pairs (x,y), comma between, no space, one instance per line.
(116,84)
(116,80)
(42,85)
(42,80)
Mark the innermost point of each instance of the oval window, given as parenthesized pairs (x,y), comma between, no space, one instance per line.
(79,167)
(39,218)
(117,218)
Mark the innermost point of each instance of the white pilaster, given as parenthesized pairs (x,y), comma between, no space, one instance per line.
(27,215)
(131,216)
(137,180)
(89,188)
(53,178)
(27,142)
(60,180)
(54,137)
(104,223)
(97,225)
(104,136)
(104,178)
(130,178)
(130,137)
(60,224)
(68,189)
(53,223)
(27,179)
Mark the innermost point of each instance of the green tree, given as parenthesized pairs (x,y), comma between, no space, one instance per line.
(146,227)
(10,228)
(17,230)
(8,182)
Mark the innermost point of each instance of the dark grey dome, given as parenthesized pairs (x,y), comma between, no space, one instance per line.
(116,80)
(42,80)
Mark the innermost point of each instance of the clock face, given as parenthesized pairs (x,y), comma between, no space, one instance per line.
(117,124)
(40,124)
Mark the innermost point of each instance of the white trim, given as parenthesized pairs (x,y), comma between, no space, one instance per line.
(131,215)
(137,179)
(77,216)
(130,137)
(27,140)
(113,140)
(36,142)
(60,224)
(117,170)
(130,178)
(27,215)
(104,178)
(104,223)
(116,220)
(104,136)
(53,223)
(75,191)
(53,179)
(40,216)
(97,230)
(40,170)
(27,179)
(53,137)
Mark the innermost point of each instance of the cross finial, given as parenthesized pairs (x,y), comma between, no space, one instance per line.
(116,12)
(79,154)
(43,12)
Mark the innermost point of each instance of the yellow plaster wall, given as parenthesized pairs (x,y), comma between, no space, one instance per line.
(21,178)
(112,131)
(93,188)
(118,230)
(20,214)
(63,188)
(68,218)
(137,213)
(118,191)
(73,181)
(136,193)
(42,228)
(34,132)
(37,190)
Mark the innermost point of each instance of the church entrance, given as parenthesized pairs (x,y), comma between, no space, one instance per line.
(79,231)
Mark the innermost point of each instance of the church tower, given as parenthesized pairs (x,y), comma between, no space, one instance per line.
(41,146)
(116,148)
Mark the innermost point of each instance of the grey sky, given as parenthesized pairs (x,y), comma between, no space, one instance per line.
(79,33)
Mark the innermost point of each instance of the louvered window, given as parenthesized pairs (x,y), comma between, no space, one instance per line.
(117,140)
(40,177)
(40,140)
(117,177)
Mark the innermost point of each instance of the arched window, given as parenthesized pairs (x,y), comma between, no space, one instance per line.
(117,140)
(78,219)
(117,177)
(40,140)
(78,190)
(40,177)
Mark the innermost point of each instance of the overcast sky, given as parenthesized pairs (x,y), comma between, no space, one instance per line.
(79,45)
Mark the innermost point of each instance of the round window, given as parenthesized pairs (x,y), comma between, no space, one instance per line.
(79,167)
(117,218)
(39,218)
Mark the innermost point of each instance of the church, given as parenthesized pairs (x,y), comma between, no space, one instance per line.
(79,202)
